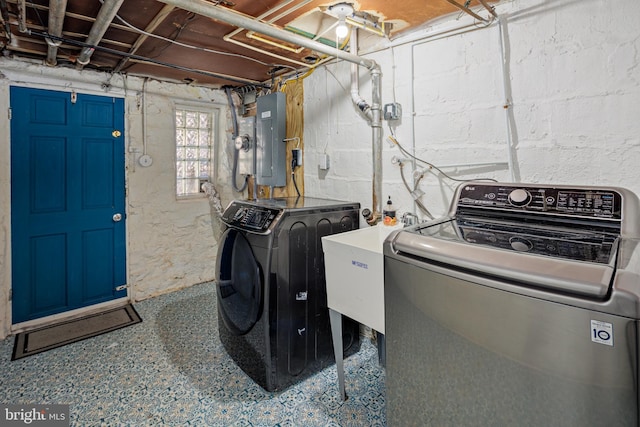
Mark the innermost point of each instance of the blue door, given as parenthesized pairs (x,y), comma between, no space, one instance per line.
(67,201)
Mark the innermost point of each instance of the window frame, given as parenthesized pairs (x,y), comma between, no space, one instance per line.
(215,112)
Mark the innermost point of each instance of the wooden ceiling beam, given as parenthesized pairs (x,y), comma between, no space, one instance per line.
(155,22)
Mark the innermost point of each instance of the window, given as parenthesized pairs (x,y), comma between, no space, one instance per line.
(194,149)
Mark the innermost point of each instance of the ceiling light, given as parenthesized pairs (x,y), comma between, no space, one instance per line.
(341,11)
(341,29)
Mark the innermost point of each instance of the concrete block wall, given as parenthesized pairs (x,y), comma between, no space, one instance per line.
(573,90)
(170,243)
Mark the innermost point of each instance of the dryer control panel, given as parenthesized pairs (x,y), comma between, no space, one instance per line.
(249,217)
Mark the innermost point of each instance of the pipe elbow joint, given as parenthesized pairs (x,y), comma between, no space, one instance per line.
(375,219)
(372,218)
(362,104)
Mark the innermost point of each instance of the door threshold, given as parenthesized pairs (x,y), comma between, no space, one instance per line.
(67,315)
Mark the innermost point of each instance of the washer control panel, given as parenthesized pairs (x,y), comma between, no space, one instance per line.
(247,216)
(581,202)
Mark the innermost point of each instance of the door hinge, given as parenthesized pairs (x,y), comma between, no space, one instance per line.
(9,113)
(10,295)
(122,287)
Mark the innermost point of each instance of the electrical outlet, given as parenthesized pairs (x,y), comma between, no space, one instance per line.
(296,157)
(323,163)
(392,111)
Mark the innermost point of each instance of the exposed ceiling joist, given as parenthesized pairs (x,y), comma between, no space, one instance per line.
(206,42)
(155,22)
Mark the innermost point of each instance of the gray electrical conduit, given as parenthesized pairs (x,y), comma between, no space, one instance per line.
(236,152)
(210,10)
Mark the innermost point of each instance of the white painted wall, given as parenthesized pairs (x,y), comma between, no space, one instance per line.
(574,78)
(170,243)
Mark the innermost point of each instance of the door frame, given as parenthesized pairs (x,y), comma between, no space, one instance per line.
(6,302)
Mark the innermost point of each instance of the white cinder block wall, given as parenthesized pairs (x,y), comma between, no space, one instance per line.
(170,243)
(573,81)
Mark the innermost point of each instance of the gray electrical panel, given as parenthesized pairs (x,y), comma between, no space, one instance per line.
(271,130)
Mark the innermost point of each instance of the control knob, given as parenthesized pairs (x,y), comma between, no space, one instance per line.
(520,197)
(520,244)
(240,213)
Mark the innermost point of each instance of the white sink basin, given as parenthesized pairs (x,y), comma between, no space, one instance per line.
(354,269)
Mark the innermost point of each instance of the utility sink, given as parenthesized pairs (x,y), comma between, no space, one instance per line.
(354,270)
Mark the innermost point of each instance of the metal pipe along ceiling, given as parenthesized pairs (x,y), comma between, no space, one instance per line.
(105,16)
(4,14)
(22,15)
(57,9)
(203,8)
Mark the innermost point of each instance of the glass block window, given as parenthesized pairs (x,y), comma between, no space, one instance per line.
(194,150)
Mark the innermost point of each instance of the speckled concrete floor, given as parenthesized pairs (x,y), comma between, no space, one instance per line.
(171,369)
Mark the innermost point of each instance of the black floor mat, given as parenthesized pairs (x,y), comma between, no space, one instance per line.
(70,331)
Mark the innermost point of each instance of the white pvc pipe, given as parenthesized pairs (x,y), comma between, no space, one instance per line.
(210,10)
(357,100)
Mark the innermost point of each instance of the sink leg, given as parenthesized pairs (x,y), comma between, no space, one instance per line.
(336,332)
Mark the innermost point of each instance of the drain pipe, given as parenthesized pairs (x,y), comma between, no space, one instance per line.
(358,101)
(210,10)
(57,9)
(373,115)
(376,135)
(106,14)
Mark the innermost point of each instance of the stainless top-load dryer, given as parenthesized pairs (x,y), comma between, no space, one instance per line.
(520,307)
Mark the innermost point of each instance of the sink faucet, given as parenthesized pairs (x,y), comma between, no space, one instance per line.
(409,218)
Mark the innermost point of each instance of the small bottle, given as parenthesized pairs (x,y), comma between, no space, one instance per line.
(389,213)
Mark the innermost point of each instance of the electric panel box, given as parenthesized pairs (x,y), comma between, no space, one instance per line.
(271,129)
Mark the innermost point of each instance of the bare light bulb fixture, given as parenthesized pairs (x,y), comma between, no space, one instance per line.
(341,29)
(341,11)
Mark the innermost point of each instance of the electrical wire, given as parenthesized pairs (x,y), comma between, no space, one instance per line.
(297,78)
(236,151)
(172,40)
(42,24)
(420,205)
(142,58)
(293,176)
(203,49)
(431,165)
(336,79)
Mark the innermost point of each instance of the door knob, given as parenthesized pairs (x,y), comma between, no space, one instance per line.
(117,217)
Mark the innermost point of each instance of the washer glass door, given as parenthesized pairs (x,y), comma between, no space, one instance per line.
(239,284)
